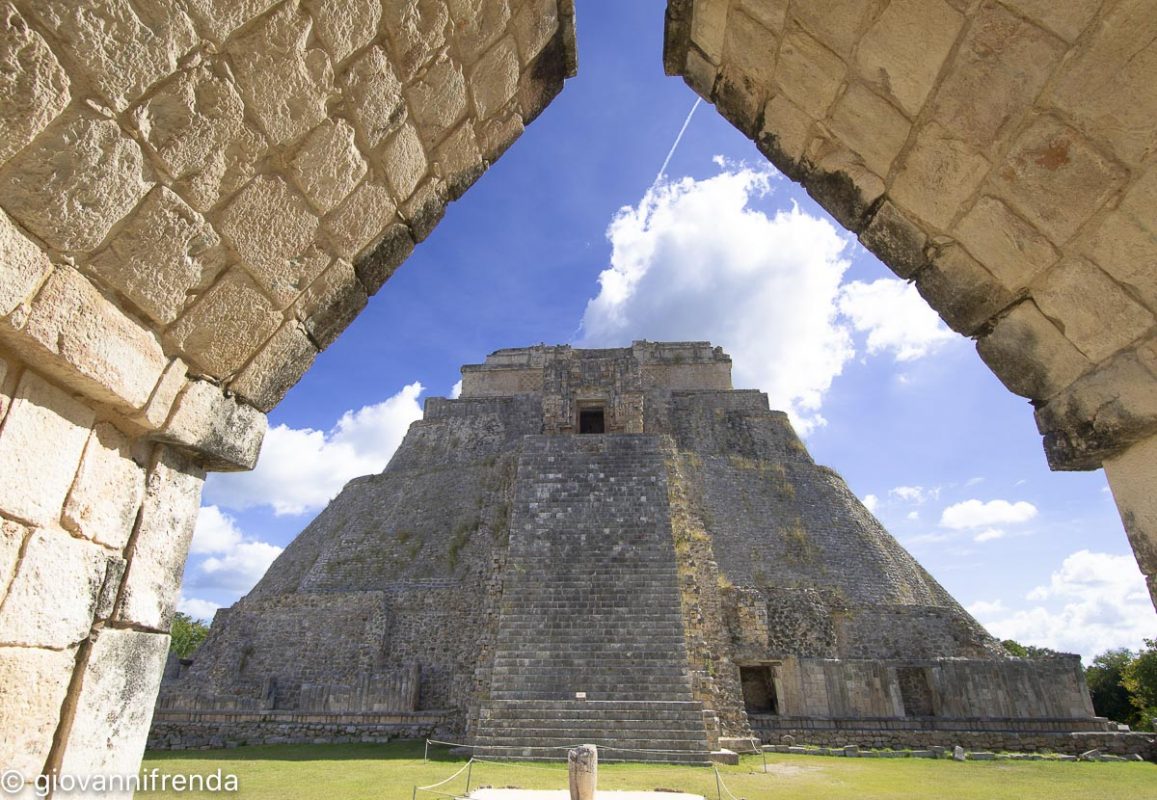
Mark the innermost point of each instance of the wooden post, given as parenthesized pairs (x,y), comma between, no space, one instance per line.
(583,766)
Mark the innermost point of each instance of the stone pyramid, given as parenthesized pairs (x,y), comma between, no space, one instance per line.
(609,546)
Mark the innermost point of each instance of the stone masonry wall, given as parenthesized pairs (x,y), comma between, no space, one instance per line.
(196,197)
(998,153)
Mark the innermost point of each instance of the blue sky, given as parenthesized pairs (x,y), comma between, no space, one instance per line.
(567,240)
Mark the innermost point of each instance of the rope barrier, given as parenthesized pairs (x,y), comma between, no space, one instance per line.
(442,783)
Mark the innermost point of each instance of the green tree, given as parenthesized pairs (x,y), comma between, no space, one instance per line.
(1110,697)
(187,633)
(1139,676)
(1019,650)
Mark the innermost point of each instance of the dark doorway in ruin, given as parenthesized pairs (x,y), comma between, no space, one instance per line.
(915,691)
(758,690)
(591,420)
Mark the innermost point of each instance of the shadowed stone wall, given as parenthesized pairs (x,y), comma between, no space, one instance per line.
(196,197)
(998,154)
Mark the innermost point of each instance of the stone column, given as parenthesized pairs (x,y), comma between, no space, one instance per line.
(583,764)
(1133,478)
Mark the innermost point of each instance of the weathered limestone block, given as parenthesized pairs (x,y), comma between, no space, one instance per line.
(1049,161)
(284,81)
(331,303)
(375,267)
(328,165)
(195,124)
(345,27)
(839,181)
(1067,19)
(33,684)
(219,18)
(374,94)
(458,161)
(1014,251)
(962,291)
(477,25)
(226,325)
(23,266)
(115,704)
(358,221)
(103,503)
(404,161)
(583,772)
(437,97)
(895,240)
(11,540)
(808,73)
(163,231)
(72,184)
(425,208)
(34,88)
(708,27)
(1029,355)
(156,411)
(1125,249)
(750,47)
(1132,478)
(836,23)
(164,530)
(902,52)
(1108,87)
(1079,297)
(494,79)
(871,126)
(75,333)
(37,478)
(1103,411)
(418,29)
(700,74)
(1004,60)
(937,175)
(279,365)
(497,134)
(271,227)
(225,434)
(535,24)
(122,49)
(786,132)
(56,591)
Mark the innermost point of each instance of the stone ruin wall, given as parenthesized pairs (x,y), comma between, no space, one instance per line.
(196,197)
(414,589)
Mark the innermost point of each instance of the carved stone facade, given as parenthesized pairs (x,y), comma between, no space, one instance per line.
(608,546)
(196,197)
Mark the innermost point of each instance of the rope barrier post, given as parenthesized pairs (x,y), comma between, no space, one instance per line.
(718,785)
(469,772)
(426,755)
(414,795)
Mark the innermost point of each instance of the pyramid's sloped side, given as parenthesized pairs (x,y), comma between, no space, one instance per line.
(399,569)
(798,551)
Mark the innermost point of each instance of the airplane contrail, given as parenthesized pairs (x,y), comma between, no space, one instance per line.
(679,138)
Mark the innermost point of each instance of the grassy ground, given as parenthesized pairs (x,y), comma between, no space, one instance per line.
(390,772)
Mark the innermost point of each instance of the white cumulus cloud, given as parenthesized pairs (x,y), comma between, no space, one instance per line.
(197,608)
(988,535)
(456,390)
(694,260)
(871,502)
(301,469)
(1094,602)
(914,494)
(895,317)
(981,514)
(234,562)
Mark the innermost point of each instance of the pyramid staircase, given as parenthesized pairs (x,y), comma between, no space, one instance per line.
(590,644)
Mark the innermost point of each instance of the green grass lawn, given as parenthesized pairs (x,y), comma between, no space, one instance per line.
(390,772)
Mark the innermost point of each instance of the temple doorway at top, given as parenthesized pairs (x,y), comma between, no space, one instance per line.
(592,420)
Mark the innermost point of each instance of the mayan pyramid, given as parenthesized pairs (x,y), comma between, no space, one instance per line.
(609,546)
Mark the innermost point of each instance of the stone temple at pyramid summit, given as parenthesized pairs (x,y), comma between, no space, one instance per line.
(615,547)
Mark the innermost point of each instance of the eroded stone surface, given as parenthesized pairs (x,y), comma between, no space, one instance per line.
(37,478)
(1029,355)
(75,181)
(375,95)
(404,160)
(37,612)
(107,492)
(358,221)
(23,266)
(113,709)
(345,27)
(164,230)
(157,559)
(33,684)
(34,88)
(328,166)
(331,303)
(11,542)
(437,98)
(279,365)
(224,433)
